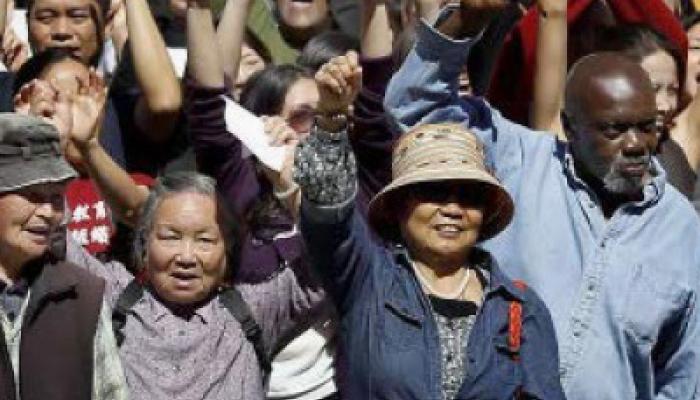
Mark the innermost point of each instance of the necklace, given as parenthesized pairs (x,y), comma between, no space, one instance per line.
(449,296)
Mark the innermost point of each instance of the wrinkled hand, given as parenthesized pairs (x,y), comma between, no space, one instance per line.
(339,82)
(87,110)
(15,51)
(40,99)
(281,135)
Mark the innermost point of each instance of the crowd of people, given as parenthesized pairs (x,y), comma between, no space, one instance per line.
(333,199)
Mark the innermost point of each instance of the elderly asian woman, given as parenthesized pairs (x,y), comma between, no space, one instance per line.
(183,333)
(429,315)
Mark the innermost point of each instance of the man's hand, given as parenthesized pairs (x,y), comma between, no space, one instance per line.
(339,82)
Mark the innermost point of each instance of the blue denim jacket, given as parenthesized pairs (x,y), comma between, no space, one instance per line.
(622,292)
(390,336)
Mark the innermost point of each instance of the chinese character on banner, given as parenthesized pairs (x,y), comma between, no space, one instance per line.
(100,234)
(81,213)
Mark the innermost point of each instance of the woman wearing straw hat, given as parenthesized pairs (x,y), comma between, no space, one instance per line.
(430,316)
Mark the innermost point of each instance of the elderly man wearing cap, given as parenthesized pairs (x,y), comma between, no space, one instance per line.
(57,340)
(613,250)
(431,316)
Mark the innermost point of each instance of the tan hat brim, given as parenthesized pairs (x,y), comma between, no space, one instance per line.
(498,204)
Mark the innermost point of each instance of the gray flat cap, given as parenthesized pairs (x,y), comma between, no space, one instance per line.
(30,153)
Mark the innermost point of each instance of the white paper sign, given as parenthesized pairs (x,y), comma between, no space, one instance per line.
(250,131)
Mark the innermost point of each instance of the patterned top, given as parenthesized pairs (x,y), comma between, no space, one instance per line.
(205,355)
(455,319)
(325,167)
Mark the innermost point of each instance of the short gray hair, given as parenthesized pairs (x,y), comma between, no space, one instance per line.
(187,182)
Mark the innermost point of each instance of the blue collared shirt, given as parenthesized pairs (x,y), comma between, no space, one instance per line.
(621,291)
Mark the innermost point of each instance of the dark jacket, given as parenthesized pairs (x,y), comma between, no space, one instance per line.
(58,329)
(220,155)
(389,332)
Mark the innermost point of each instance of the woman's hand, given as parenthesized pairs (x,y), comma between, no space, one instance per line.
(283,186)
(279,132)
(87,111)
(39,98)
(339,82)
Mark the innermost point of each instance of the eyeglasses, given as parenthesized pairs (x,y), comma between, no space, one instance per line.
(466,194)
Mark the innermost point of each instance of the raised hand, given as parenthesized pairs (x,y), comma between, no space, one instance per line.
(281,134)
(40,99)
(339,82)
(87,110)
(14,50)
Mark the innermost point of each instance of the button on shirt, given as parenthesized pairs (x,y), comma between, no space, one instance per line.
(621,291)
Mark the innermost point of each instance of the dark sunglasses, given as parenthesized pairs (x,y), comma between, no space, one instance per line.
(444,192)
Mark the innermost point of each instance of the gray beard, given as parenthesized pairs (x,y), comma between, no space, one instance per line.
(618,184)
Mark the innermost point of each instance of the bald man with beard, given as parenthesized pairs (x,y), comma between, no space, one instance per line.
(613,250)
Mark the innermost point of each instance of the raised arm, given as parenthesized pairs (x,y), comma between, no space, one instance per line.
(425,88)
(161,98)
(4,4)
(550,67)
(219,153)
(346,76)
(13,50)
(229,36)
(336,238)
(203,58)
(124,196)
(376,34)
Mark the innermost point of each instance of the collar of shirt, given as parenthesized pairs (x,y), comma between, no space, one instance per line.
(486,266)
(157,310)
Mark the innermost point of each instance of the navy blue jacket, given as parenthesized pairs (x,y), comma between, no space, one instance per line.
(390,336)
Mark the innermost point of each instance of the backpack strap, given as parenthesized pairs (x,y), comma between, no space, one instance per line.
(232,300)
(130,296)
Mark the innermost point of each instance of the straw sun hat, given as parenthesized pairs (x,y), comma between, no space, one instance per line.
(440,153)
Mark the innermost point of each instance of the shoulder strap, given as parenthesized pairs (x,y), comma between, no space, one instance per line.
(235,304)
(130,296)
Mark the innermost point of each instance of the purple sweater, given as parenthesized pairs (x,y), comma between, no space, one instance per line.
(220,155)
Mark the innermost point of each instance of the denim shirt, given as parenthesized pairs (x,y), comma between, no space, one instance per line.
(388,330)
(621,291)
